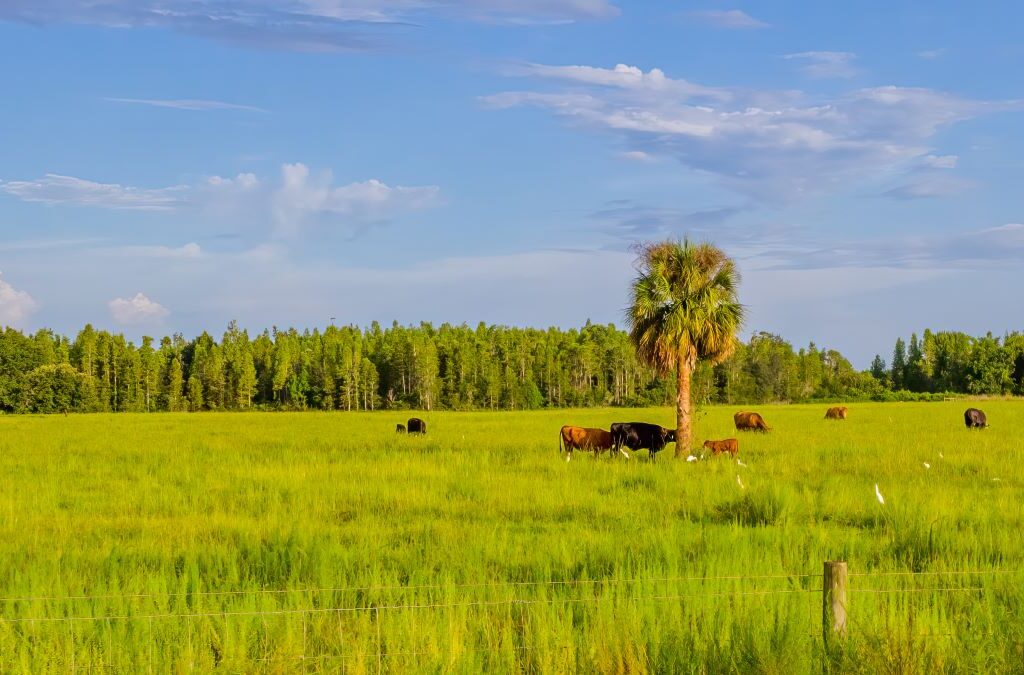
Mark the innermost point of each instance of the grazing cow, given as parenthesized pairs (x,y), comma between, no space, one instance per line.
(641,436)
(975,419)
(581,438)
(399,428)
(416,426)
(749,421)
(729,445)
(837,413)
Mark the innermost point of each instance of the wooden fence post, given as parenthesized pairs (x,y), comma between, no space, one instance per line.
(833,601)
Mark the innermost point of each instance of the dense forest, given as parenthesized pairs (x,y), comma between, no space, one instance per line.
(462,368)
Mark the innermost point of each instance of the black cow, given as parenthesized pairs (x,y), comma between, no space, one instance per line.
(975,419)
(641,436)
(416,426)
(399,428)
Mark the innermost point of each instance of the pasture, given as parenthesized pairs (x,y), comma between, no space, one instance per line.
(317,542)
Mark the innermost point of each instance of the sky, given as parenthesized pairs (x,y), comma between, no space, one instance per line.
(172,165)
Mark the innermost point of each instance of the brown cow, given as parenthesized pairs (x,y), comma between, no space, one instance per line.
(749,421)
(836,413)
(729,445)
(581,438)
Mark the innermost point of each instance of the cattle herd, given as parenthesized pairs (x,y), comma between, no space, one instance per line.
(653,438)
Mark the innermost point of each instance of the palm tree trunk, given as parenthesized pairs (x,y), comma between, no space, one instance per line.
(684,412)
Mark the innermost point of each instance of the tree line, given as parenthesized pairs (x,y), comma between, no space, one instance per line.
(949,361)
(461,368)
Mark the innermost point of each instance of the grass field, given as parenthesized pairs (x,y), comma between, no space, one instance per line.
(325,542)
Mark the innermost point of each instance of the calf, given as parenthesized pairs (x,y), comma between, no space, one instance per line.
(729,445)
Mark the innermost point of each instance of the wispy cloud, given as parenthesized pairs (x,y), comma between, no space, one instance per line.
(296,25)
(57,189)
(622,77)
(826,65)
(187,104)
(191,250)
(774,146)
(298,198)
(632,221)
(940,161)
(931,185)
(637,156)
(15,305)
(972,249)
(47,244)
(727,18)
(136,310)
(931,54)
(931,178)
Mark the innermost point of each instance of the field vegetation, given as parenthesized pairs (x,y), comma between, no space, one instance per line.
(325,542)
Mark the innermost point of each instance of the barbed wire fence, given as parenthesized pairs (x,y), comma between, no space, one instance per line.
(835,604)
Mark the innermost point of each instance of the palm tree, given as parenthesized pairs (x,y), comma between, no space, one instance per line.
(684,310)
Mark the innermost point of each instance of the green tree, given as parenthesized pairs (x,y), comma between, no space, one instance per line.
(195,393)
(878,370)
(684,308)
(899,364)
(57,388)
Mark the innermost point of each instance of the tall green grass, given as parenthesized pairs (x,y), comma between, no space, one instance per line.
(231,542)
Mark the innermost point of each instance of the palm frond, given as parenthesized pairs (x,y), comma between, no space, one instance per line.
(684,304)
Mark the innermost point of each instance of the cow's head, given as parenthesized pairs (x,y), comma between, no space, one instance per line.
(669,435)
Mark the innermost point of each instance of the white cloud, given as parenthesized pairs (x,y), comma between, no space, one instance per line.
(827,64)
(775,146)
(15,305)
(298,25)
(303,196)
(637,156)
(56,189)
(931,54)
(135,310)
(299,197)
(186,104)
(621,76)
(730,18)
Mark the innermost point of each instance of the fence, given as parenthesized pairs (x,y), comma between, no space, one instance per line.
(835,591)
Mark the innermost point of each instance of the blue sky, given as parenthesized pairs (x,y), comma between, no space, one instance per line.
(170,165)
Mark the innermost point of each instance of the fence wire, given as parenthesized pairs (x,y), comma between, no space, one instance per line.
(388,608)
(398,587)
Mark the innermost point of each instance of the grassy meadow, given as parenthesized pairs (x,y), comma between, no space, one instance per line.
(314,542)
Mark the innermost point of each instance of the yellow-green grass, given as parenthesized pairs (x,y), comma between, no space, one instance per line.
(231,541)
